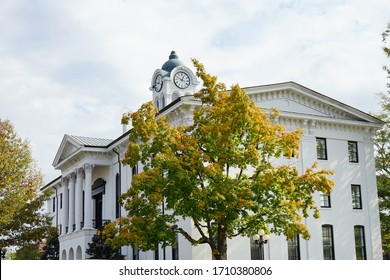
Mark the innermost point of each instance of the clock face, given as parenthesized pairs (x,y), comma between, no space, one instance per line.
(182,80)
(158,83)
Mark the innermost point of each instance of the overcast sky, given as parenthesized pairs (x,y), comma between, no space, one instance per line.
(73,67)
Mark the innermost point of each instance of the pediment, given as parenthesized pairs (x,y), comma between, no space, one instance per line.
(293,99)
(292,106)
(67,148)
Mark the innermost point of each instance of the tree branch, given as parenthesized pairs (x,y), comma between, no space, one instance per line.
(187,236)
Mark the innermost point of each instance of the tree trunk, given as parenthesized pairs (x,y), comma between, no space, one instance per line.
(220,253)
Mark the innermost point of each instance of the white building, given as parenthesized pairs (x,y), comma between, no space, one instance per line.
(336,135)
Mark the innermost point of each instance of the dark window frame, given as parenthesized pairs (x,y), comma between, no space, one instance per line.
(156,253)
(325,201)
(360,243)
(117,195)
(134,170)
(321,148)
(294,248)
(356,196)
(328,237)
(135,252)
(353,154)
(54,204)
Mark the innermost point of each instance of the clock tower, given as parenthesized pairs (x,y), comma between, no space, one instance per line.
(172,81)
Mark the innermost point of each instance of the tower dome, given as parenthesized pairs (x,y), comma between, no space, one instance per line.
(171,63)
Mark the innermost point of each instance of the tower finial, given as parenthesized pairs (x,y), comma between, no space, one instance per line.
(173,55)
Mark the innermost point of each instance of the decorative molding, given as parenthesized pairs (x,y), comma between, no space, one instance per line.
(369,134)
(80,172)
(88,167)
(64,181)
(72,177)
(291,95)
(99,155)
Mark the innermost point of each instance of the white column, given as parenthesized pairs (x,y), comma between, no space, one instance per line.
(72,178)
(79,198)
(88,196)
(65,208)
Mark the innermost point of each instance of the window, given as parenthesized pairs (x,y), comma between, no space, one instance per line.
(327,242)
(325,200)
(163,102)
(60,200)
(356,197)
(156,253)
(134,171)
(135,253)
(353,151)
(360,243)
(256,250)
(54,204)
(117,195)
(321,148)
(293,248)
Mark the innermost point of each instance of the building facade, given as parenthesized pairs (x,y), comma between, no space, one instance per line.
(336,135)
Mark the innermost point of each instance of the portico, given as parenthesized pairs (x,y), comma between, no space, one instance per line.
(82,161)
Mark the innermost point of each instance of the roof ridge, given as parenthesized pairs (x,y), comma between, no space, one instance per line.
(92,137)
(91,141)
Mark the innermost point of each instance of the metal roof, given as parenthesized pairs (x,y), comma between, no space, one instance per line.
(91,141)
(172,63)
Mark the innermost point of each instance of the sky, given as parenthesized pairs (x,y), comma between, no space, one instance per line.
(74,67)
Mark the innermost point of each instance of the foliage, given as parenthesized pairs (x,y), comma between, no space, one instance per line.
(97,249)
(386,50)
(51,251)
(29,252)
(22,222)
(382,157)
(217,171)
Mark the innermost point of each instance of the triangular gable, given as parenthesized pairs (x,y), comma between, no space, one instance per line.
(71,144)
(293,98)
(291,106)
(67,147)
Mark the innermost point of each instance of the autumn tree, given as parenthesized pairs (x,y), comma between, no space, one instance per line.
(382,158)
(22,222)
(218,172)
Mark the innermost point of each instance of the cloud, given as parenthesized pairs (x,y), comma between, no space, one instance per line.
(75,66)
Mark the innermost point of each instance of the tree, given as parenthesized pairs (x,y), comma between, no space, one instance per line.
(97,249)
(22,222)
(382,158)
(29,252)
(51,251)
(218,172)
